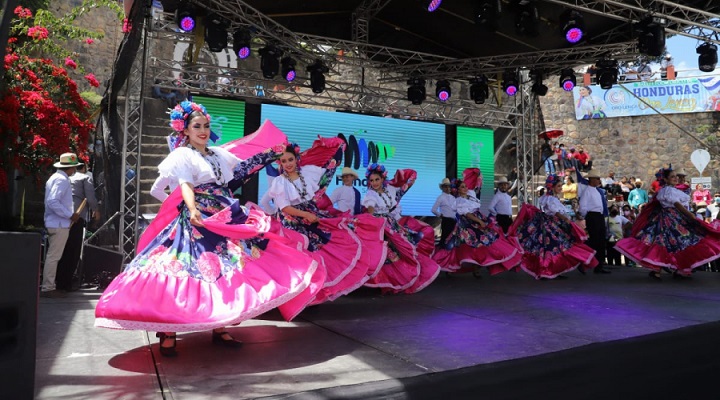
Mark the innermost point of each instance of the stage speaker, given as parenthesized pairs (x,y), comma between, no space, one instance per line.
(20,270)
(100,265)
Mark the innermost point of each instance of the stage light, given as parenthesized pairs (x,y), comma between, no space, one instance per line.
(487,15)
(538,87)
(607,73)
(216,33)
(434,5)
(707,58)
(442,90)
(573,25)
(270,61)
(185,16)
(567,79)
(317,79)
(526,18)
(288,68)
(510,83)
(416,90)
(651,39)
(241,43)
(479,91)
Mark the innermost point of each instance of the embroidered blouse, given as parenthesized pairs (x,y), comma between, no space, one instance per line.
(471,204)
(385,203)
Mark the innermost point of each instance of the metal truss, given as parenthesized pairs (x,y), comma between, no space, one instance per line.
(526,145)
(129,196)
(361,17)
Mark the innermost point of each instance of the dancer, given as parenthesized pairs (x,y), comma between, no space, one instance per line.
(593,208)
(408,267)
(501,205)
(476,239)
(444,208)
(204,262)
(553,244)
(667,235)
(351,249)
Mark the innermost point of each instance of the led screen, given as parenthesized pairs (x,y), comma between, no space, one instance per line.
(475,148)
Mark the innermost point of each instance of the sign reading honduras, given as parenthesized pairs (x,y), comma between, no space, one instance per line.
(395,143)
(688,95)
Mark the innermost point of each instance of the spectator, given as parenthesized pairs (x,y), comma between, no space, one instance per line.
(546,153)
(682,185)
(583,158)
(701,195)
(615,223)
(638,196)
(666,63)
(631,74)
(170,96)
(644,71)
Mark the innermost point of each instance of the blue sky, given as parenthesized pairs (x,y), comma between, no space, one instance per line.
(685,58)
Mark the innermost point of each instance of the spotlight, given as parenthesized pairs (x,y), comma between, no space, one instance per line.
(573,25)
(416,90)
(317,79)
(434,5)
(526,18)
(708,57)
(487,15)
(216,33)
(652,36)
(185,17)
(479,91)
(607,73)
(269,61)
(510,83)
(442,90)
(538,87)
(567,79)
(288,69)
(241,43)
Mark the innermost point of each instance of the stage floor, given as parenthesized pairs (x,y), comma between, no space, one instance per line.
(456,322)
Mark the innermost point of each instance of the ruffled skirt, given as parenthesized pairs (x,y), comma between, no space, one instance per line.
(665,237)
(552,246)
(188,278)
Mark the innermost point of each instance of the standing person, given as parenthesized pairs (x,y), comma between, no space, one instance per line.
(682,185)
(553,244)
(616,225)
(638,196)
(204,262)
(347,197)
(83,189)
(667,235)
(665,65)
(593,208)
(589,106)
(408,267)
(59,216)
(501,205)
(444,208)
(546,153)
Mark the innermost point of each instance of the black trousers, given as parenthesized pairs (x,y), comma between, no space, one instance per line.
(446,227)
(504,221)
(71,256)
(595,224)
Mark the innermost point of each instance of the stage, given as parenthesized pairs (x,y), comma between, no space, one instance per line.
(590,336)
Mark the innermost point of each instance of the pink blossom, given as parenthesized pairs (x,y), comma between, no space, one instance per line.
(38,141)
(92,80)
(23,12)
(89,41)
(70,63)
(38,32)
(178,125)
(208,264)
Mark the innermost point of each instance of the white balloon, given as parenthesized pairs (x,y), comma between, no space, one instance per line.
(700,159)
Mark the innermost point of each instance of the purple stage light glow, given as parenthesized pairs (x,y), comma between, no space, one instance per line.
(574,35)
(568,86)
(290,76)
(187,24)
(434,4)
(443,95)
(511,90)
(243,53)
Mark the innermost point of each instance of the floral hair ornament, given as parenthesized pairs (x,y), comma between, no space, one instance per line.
(550,183)
(179,119)
(660,175)
(379,169)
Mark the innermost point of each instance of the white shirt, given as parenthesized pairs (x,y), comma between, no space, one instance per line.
(501,204)
(444,206)
(668,196)
(467,205)
(58,201)
(551,205)
(344,197)
(383,203)
(288,193)
(590,199)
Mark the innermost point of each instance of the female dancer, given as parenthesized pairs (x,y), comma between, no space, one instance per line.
(476,239)
(667,234)
(408,267)
(351,249)
(205,261)
(553,243)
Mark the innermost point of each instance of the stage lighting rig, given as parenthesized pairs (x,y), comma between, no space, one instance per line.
(651,39)
(185,16)
(317,77)
(538,87)
(416,93)
(573,25)
(270,61)
(443,90)
(510,83)
(607,73)
(568,79)
(434,5)
(241,43)
(526,18)
(708,58)
(216,35)
(288,68)
(487,15)
(479,91)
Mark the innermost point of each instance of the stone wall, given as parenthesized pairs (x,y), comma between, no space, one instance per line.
(635,146)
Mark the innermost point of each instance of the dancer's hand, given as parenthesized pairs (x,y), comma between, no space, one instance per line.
(196,218)
(311,218)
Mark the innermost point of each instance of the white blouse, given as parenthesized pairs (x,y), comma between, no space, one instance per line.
(668,196)
(551,205)
(383,203)
(467,205)
(287,193)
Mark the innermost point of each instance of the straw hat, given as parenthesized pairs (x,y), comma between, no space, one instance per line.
(348,171)
(445,182)
(501,179)
(539,188)
(593,174)
(638,181)
(67,160)
(701,204)
(680,172)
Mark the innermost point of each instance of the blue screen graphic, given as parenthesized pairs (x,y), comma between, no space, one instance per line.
(395,143)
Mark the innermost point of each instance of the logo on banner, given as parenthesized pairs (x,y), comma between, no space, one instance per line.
(361,153)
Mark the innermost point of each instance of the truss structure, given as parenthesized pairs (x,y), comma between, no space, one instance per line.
(526,145)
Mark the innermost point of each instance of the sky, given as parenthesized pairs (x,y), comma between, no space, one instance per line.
(685,58)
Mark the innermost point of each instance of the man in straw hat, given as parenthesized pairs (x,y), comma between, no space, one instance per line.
(59,216)
(638,196)
(346,197)
(593,207)
(501,204)
(682,185)
(444,208)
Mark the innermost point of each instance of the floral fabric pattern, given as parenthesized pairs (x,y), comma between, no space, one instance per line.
(545,234)
(668,228)
(316,236)
(470,233)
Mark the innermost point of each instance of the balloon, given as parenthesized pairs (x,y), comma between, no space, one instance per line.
(700,159)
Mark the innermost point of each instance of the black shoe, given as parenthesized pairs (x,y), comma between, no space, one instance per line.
(581,269)
(560,277)
(224,339)
(167,351)
(601,270)
(655,275)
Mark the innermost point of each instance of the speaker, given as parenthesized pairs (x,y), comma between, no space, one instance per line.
(20,269)
(100,265)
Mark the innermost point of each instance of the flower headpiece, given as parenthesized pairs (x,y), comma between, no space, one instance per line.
(376,168)
(660,175)
(179,119)
(550,183)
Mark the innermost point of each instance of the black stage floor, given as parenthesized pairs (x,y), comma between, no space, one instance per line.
(617,336)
